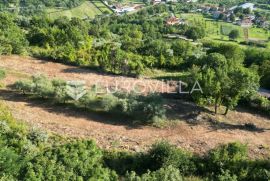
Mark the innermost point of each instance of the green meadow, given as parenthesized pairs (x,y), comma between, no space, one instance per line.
(219,30)
(85,10)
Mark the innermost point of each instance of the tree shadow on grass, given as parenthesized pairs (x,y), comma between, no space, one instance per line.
(246,109)
(181,109)
(227,126)
(176,110)
(95,70)
(75,68)
(70,110)
(192,114)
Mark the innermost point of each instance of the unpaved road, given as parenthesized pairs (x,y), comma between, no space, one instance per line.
(111,132)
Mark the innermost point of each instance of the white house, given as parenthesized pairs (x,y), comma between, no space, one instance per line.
(244,6)
(248,5)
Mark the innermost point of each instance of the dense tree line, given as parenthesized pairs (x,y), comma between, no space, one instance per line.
(126,44)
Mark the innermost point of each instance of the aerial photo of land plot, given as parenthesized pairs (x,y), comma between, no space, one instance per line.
(135,90)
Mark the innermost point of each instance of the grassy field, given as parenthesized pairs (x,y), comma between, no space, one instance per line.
(85,10)
(102,7)
(219,30)
(130,1)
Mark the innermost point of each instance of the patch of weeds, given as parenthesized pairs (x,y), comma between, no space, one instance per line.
(115,144)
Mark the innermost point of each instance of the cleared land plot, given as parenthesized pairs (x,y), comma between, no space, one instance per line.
(195,132)
(85,10)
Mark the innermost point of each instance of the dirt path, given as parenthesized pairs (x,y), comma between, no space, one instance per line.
(107,132)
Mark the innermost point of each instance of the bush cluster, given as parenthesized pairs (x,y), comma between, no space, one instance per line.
(258,103)
(145,108)
(226,162)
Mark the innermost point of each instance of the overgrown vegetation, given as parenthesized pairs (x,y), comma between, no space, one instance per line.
(148,108)
(28,8)
(129,44)
(30,154)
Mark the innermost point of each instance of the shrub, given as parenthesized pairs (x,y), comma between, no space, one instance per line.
(43,87)
(147,108)
(162,154)
(89,99)
(230,157)
(123,162)
(258,170)
(153,106)
(25,86)
(2,74)
(226,176)
(79,160)
(169,174)
(109,102)
(60,90)
(37,136)
(258,103)
(10,162)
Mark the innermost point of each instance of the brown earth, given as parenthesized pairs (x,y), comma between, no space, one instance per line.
(197,131)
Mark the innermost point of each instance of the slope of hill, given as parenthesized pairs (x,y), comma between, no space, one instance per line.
(198,134)
(85,10)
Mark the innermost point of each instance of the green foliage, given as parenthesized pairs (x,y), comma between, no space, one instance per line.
(257,102)
(169,174)
(224,80)
(37,136)
(146,108)
(233,53)
(195,33)
(10,162)
(123,162)
(226,176)
(36,6)
(2,74)
(264,71)
(234,34)
(162,155)
(60,90)
(43,87)
(25,86)
(226,156)
(79,160)
(34,155)
(12,38)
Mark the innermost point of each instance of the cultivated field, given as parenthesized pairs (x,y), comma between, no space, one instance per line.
(85,10)
(195,130)
(219,30)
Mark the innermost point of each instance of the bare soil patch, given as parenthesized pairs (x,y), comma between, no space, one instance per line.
(196,131)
